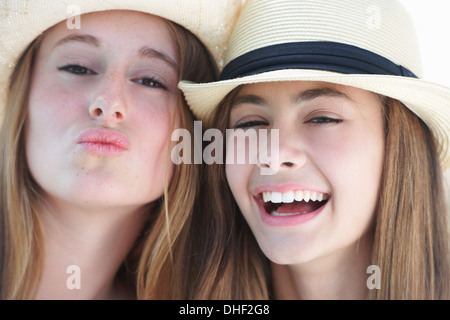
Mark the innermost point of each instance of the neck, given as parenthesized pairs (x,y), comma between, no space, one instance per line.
(84,251)
(337,276)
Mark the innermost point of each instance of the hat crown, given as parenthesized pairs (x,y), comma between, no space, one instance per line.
(383,27)
(22,21)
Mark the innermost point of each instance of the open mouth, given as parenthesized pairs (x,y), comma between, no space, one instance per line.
(292,202)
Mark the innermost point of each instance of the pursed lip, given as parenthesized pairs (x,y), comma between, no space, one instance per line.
(104,141)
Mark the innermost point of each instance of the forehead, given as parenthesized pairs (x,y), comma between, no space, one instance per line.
(119,29)
(299,91)
(287,86)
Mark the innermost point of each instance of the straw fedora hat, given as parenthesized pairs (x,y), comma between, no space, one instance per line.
(21,21)
(370,45)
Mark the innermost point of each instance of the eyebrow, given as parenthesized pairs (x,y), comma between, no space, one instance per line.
(307,95)
(145,52)
(250,99)
(318,93)
(84,38)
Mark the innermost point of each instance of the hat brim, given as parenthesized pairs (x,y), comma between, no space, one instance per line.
(429,101)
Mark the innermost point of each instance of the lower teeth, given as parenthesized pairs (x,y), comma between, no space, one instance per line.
(276,214)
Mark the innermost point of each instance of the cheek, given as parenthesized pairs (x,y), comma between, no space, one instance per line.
(235,168)
(355,172)
(51,113)
(153,127)
(350,161)
(239,179)
(232,173)
(152,117)
(52,105)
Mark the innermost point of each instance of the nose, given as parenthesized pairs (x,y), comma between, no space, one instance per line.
(109,106)
(286,152)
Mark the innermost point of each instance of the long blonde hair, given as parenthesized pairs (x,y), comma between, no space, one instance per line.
(151,264)
(410,236)
(21,232)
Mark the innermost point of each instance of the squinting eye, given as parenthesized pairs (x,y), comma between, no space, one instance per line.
(250,124)
(324,120)
(77,70)
(150,82)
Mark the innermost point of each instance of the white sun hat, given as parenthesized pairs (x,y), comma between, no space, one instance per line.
(22,21)
(370,45)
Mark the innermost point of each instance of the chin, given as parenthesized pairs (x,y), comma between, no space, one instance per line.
(289,252)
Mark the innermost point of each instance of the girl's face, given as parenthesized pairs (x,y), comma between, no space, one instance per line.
(101,109)
(323,196)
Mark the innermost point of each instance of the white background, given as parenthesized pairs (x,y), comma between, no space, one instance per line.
(432,20)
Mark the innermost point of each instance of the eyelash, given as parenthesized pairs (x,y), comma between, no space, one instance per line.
(323,120)
(317,121)
(249,124)
(81,70)
(77,69)
(150,82)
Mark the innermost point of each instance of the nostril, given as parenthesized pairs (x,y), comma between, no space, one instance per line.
(118,115)
(286,163)
(97,112)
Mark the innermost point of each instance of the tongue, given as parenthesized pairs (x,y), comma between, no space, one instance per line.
(296,207)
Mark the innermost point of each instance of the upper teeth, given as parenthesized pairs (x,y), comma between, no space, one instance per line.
(290,196)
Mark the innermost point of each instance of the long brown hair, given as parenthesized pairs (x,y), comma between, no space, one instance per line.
(162,271)
(410,236)
(152,264)
(230,263)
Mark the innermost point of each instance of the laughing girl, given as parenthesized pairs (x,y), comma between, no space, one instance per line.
(355,208)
